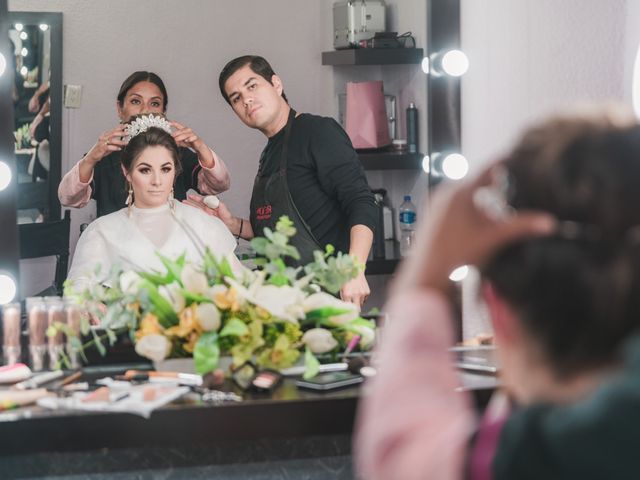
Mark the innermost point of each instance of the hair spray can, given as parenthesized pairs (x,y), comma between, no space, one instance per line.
(412,128)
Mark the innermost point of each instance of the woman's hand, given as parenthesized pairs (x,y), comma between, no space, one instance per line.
(186,137)
(109,141)
(457,232)
(356,290)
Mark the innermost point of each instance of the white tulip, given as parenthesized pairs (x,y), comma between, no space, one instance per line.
(154,346)
(322,299)
(319,340)
(172,293)
(129,282)
(367,336)
(194,281)
(208,316)
(284,302)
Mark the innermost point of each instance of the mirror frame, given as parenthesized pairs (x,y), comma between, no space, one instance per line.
(54,20)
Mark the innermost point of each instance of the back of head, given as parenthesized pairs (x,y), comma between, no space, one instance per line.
(577,293)
(257,64)
(143,76)
(151,136)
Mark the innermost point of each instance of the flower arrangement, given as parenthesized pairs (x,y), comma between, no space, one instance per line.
(269,315)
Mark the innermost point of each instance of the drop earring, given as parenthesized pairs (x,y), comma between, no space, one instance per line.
(172,202)
(129,201)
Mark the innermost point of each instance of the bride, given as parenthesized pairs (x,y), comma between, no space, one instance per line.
(152,221)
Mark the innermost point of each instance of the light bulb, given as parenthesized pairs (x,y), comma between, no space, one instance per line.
(19,27)
(455,63)
(455,166)
(44,27)
(24,71)
(426,65)
(426,164)
(7,289)
(3,64)
(24,52)
(459,274)
(23,35)
(5,176)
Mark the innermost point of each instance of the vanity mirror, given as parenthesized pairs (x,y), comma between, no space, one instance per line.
(35,60)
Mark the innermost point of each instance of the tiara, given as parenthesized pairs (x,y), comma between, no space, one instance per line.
(144,123)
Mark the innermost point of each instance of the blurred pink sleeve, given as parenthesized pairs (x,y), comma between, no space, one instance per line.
(71,191)
(411,423)
(215,180)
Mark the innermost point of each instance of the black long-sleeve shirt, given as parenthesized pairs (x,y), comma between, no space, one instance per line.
(325,178)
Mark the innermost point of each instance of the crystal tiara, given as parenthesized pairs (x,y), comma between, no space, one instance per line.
(143,123)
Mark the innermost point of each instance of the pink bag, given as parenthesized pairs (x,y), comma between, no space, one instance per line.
(366,115)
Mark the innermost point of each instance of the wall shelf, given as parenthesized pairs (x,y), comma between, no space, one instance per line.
(388,159)
(373,56)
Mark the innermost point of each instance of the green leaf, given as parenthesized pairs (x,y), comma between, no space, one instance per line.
(159,306)
(235,327)
(311,365)
(206,353)
(174,268)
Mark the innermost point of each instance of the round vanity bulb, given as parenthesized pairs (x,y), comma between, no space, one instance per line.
(24,52)
(7,288)
(455,63)
(426,164)
(459,274)
(455,166)
(44,27)
(23,35)
(5,176)
(426,65)
(24,71)
(3,64)
(19,27)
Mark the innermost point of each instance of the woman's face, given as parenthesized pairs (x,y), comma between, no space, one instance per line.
(143,97)
(151,177)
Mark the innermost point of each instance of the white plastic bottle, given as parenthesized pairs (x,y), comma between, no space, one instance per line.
(407,225)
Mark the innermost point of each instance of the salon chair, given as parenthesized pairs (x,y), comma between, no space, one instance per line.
(45,240)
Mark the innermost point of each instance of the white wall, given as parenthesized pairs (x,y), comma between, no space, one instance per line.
(529,58)
(187,42)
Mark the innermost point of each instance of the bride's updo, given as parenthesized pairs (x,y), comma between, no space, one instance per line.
(149,130)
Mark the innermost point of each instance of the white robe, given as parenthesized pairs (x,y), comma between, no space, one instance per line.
(117,239)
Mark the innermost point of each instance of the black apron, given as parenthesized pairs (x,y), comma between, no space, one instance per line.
(271,199)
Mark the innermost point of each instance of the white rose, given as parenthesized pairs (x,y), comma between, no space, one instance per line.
(322,299)
(194,281)
(319,340)
(208,316)
(216,289)
(129,282)
(367,336)
(154,346)
(172,293)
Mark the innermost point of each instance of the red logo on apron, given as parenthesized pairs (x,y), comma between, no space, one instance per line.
(263,213)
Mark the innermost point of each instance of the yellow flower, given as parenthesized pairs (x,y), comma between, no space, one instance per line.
(191,344)
(227,300)
(188,323)
(148,325)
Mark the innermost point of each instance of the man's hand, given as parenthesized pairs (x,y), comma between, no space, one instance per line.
(356,290)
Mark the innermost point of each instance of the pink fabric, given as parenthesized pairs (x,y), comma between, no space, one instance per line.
(412,424)
(76,194)
(486,444)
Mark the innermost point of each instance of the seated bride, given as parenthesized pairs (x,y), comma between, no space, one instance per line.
(152,220)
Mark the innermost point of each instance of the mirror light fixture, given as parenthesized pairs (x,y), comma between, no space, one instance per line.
(44,27)
(19,27)
(3,64)
(426,164)
(24,52)
(5,175)
(451,62)
(453,166)
(459,274)
(8,288)
(23,35)
(23,71)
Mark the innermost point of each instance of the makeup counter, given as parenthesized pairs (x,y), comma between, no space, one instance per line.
(289,431)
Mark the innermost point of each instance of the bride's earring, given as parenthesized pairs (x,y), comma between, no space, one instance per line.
(129,201)
(172,202)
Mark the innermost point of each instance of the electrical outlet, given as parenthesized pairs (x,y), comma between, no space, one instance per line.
(72,96)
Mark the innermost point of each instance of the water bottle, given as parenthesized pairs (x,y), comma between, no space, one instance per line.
(412,128)
(407,225)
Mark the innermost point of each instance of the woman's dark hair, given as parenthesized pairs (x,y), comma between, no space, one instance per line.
(577,295)
(258,65)
(137,77)
(153,137)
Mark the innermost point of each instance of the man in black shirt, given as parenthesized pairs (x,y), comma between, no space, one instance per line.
(308,171)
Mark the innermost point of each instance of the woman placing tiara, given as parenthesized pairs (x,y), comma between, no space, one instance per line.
(98,174)
(152,221)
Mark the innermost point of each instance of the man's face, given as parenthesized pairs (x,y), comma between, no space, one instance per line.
(256,101)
